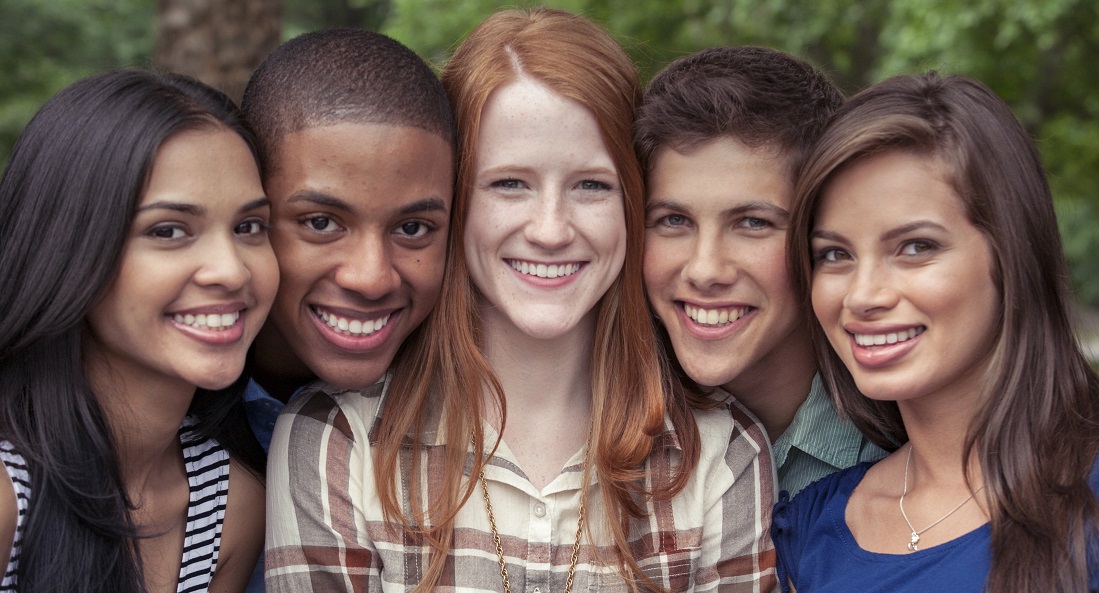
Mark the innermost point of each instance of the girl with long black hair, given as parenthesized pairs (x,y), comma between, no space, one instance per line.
(136,270)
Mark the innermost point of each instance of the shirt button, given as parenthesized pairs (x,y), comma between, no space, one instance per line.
(537,590)
(539,511)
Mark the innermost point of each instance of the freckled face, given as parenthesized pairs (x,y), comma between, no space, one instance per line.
(545,233)
(715,264)
(361,213)
(197,275)
(902,280)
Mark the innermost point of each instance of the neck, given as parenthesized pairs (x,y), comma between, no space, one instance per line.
(144,415)
(776,387)
(541,377)
(937,426)
(275,366)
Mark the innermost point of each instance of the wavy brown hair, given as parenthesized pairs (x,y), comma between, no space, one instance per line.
(631,394)
(1036,432)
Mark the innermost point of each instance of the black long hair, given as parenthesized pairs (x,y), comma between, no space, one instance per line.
(67,200)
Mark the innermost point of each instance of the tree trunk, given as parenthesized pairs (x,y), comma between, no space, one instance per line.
(219,42)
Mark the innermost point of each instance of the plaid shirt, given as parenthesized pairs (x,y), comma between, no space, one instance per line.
(325,530)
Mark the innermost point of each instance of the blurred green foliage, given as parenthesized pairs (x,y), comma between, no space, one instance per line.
(1035,53)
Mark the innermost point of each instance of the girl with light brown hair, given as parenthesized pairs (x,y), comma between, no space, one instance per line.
(925,241)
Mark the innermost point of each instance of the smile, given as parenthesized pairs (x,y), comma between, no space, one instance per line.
(718,316)
(211,322)
(888,338)
(351,327)
(544,270)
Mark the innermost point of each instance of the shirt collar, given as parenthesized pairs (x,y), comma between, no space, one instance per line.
(819,431)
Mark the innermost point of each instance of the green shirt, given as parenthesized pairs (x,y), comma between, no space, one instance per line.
(818,442)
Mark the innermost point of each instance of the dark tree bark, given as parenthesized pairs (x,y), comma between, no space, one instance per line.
(220,42)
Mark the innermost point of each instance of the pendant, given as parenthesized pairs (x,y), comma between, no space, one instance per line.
(915,540)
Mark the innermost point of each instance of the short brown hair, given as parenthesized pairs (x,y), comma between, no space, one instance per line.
(760,96)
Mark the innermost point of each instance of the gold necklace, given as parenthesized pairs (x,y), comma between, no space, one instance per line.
(496,534)
(914,539)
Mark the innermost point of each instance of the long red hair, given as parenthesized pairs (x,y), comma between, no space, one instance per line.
(631,392)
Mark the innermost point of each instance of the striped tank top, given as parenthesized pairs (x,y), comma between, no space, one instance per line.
(207,465)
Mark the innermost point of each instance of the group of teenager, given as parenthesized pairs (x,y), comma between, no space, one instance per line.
(533,326)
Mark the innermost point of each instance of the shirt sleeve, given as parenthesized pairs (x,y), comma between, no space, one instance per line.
(737,553)
(316,539)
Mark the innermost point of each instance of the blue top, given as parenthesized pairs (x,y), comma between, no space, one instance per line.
(817,552)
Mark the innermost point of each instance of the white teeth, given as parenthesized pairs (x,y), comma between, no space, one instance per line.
(352,327)
(890,338)
(211,322)
(714,316)
(544,270)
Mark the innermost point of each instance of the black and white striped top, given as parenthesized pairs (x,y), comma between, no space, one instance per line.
(207,465)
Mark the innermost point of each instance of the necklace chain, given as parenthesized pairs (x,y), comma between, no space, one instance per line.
(500,548)
(914,539)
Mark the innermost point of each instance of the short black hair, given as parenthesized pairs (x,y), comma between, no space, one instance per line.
(343,75)
(760,96)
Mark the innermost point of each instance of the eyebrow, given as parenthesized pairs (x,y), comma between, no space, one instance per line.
(256,203)
(739,209)
(320,200)
(887,235)
(192,209)
(432,204)
(912,226)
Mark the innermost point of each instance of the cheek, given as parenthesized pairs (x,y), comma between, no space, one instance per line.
(827,299)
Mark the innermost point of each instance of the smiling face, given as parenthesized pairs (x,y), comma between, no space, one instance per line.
(197,275)
(715,265)
(360,214)
(902,280)
(545,233)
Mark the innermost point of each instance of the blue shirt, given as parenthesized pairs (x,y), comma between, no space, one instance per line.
(818,553)
(262,411)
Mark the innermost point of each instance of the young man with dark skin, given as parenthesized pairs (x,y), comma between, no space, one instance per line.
(721,134)
(357,146)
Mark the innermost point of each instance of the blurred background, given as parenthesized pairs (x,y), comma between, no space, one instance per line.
(1039,55)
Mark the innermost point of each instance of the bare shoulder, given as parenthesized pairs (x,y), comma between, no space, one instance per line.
(242,531)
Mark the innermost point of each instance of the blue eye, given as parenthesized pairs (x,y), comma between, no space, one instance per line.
(752,222)
(592,185)
(508,184)
(674,220)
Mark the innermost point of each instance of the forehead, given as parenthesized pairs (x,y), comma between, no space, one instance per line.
(887,186)
(723,171)
(362,164)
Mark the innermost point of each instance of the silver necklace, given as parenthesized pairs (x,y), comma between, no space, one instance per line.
(914,539)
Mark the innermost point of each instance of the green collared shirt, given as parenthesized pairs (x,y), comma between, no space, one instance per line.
(818,442)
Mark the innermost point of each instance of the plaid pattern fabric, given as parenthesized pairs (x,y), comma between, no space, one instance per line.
(325,530)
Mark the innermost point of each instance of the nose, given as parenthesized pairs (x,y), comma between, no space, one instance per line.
(222,265)
(550,224)
(870,289)
(368,269)
(709,263)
